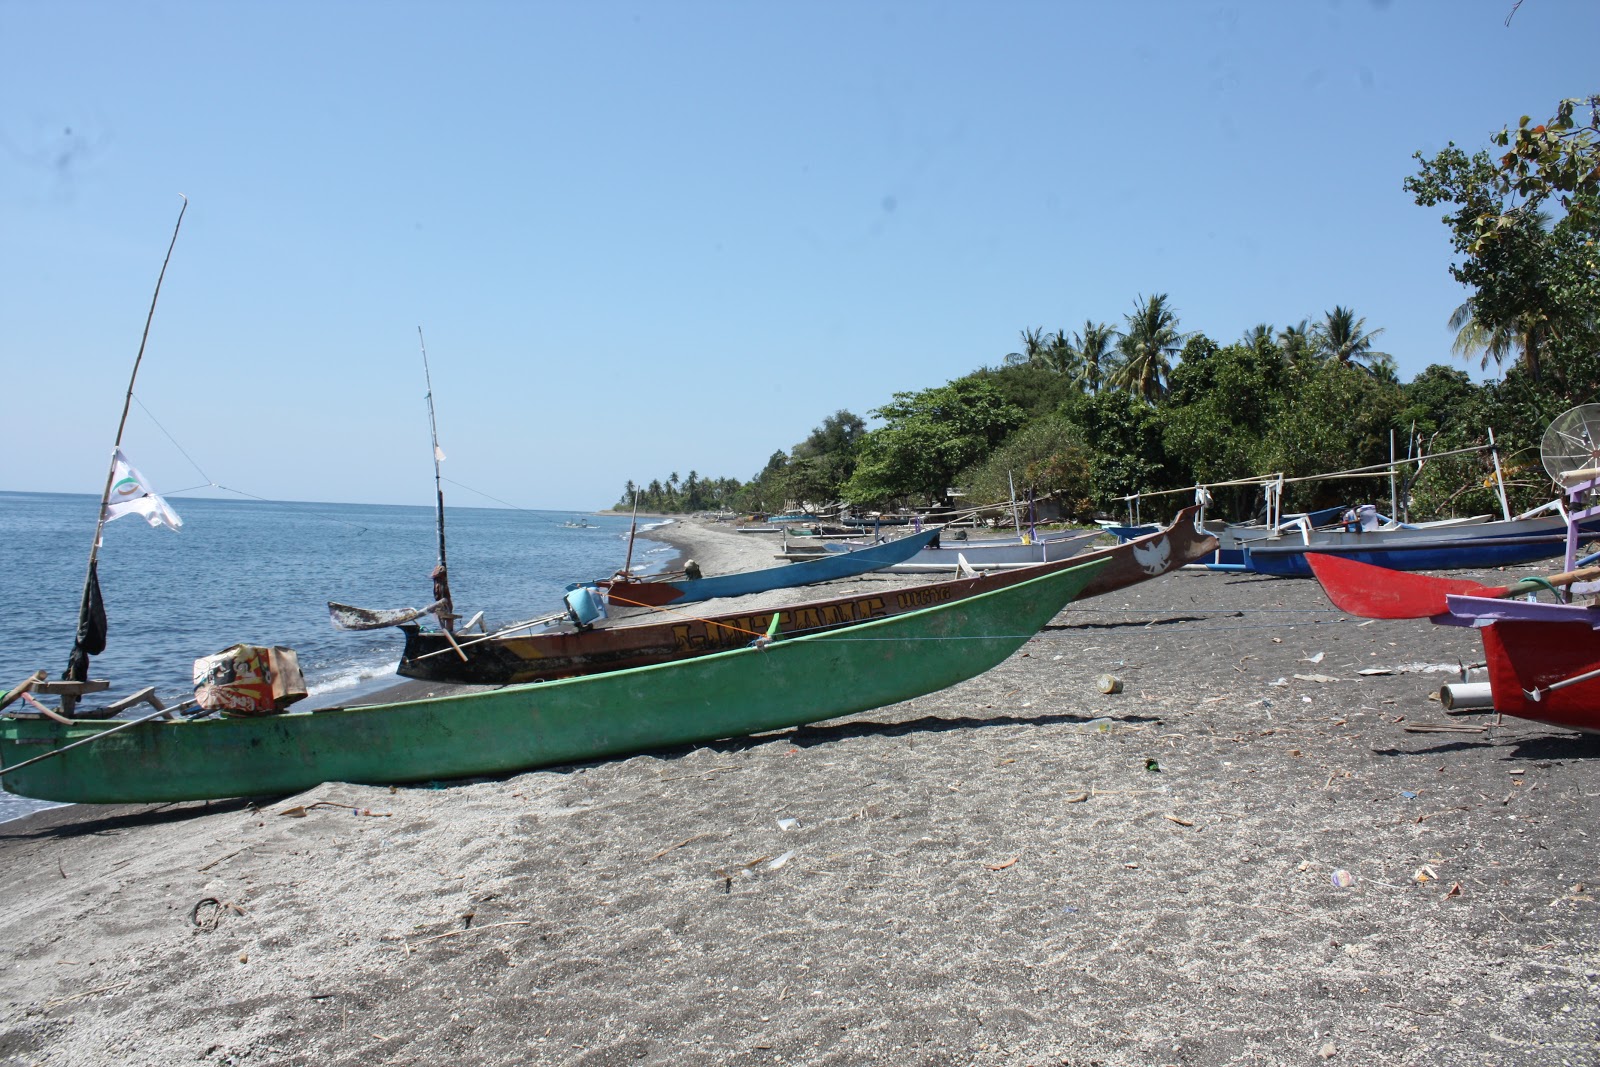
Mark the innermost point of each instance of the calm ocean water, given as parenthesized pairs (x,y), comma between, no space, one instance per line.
(262,572)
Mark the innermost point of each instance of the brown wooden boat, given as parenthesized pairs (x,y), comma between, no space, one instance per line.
(569,651)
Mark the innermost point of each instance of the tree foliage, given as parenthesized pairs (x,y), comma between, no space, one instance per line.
(927,438)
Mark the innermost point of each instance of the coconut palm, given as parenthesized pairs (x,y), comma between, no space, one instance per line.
(1344,337)
(1035,348)
(1060,355)
(1091,352)
(1295,341)
(1258,337)
(1147,347)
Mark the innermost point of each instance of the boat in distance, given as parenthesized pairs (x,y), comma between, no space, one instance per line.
(726,694)
(509,658)
(624,590)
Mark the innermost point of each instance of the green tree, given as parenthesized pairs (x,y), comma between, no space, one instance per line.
(927,438)
(1534,284)
(1146,347)
(1220,410)
(1126,452)
(821,464)
(1338,417)
(1034,388)
(1047,456)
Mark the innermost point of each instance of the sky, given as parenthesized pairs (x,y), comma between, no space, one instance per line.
(656,237)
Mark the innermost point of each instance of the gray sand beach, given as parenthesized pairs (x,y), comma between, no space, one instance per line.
(1250,855)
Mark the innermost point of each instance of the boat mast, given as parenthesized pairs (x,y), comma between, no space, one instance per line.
(633,526)
(441,574)
(88,643)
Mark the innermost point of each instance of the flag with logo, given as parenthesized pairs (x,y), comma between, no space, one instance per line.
(131,495)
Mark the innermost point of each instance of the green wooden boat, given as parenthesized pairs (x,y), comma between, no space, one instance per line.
(727,694)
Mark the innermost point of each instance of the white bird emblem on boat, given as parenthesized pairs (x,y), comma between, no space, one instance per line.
(1153,557)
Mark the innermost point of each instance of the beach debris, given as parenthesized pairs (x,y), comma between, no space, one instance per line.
(1099,725)
(1313,659)
(1465,695)
(788,823)
(1076,798)
(1328,1050)
(1455,891)
(1426,873)
(1001,866)
(677,845)
(1176,819)
(1343,879)
(212,918)
(1108,684)
(1315,678)
(1429,668)
(1279,681)
(1370,671)
(781,860)
(1151,765)
(1408,794)
(300,811)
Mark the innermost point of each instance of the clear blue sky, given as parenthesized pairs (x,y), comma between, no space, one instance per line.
(647,237)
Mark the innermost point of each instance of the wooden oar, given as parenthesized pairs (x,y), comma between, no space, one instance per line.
(1373,592)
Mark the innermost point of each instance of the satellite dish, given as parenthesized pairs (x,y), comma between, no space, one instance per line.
(1571,445)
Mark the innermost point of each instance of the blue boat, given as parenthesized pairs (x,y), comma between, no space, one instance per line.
(1476,546)
(628,591)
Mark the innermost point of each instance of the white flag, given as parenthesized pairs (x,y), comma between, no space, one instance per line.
(130,495)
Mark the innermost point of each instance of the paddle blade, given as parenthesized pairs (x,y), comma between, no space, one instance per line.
(1379,593)
(346,617)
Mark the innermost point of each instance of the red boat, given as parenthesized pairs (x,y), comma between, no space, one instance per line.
(1543,658)
(1545,671)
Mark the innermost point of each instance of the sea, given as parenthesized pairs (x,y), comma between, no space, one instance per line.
(262,572)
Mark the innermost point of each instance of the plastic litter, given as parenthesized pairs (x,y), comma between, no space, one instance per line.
(781,860)
(1108,684)
(1343,879)
(788,824)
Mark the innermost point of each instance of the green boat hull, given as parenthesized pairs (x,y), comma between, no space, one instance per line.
(728,694)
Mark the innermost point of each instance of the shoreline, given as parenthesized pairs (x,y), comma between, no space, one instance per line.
(1019,869)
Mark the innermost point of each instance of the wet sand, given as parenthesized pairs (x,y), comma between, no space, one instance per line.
(1017,870)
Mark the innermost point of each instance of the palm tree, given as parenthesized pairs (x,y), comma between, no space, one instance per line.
(1147,347)
(1035,349)
(1060,355)
(1258,337)
(1344,337)
(1526,337)
(1295,341)
(1091,351)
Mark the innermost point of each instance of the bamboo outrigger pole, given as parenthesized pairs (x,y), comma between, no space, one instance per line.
(91,637)
(445,609)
